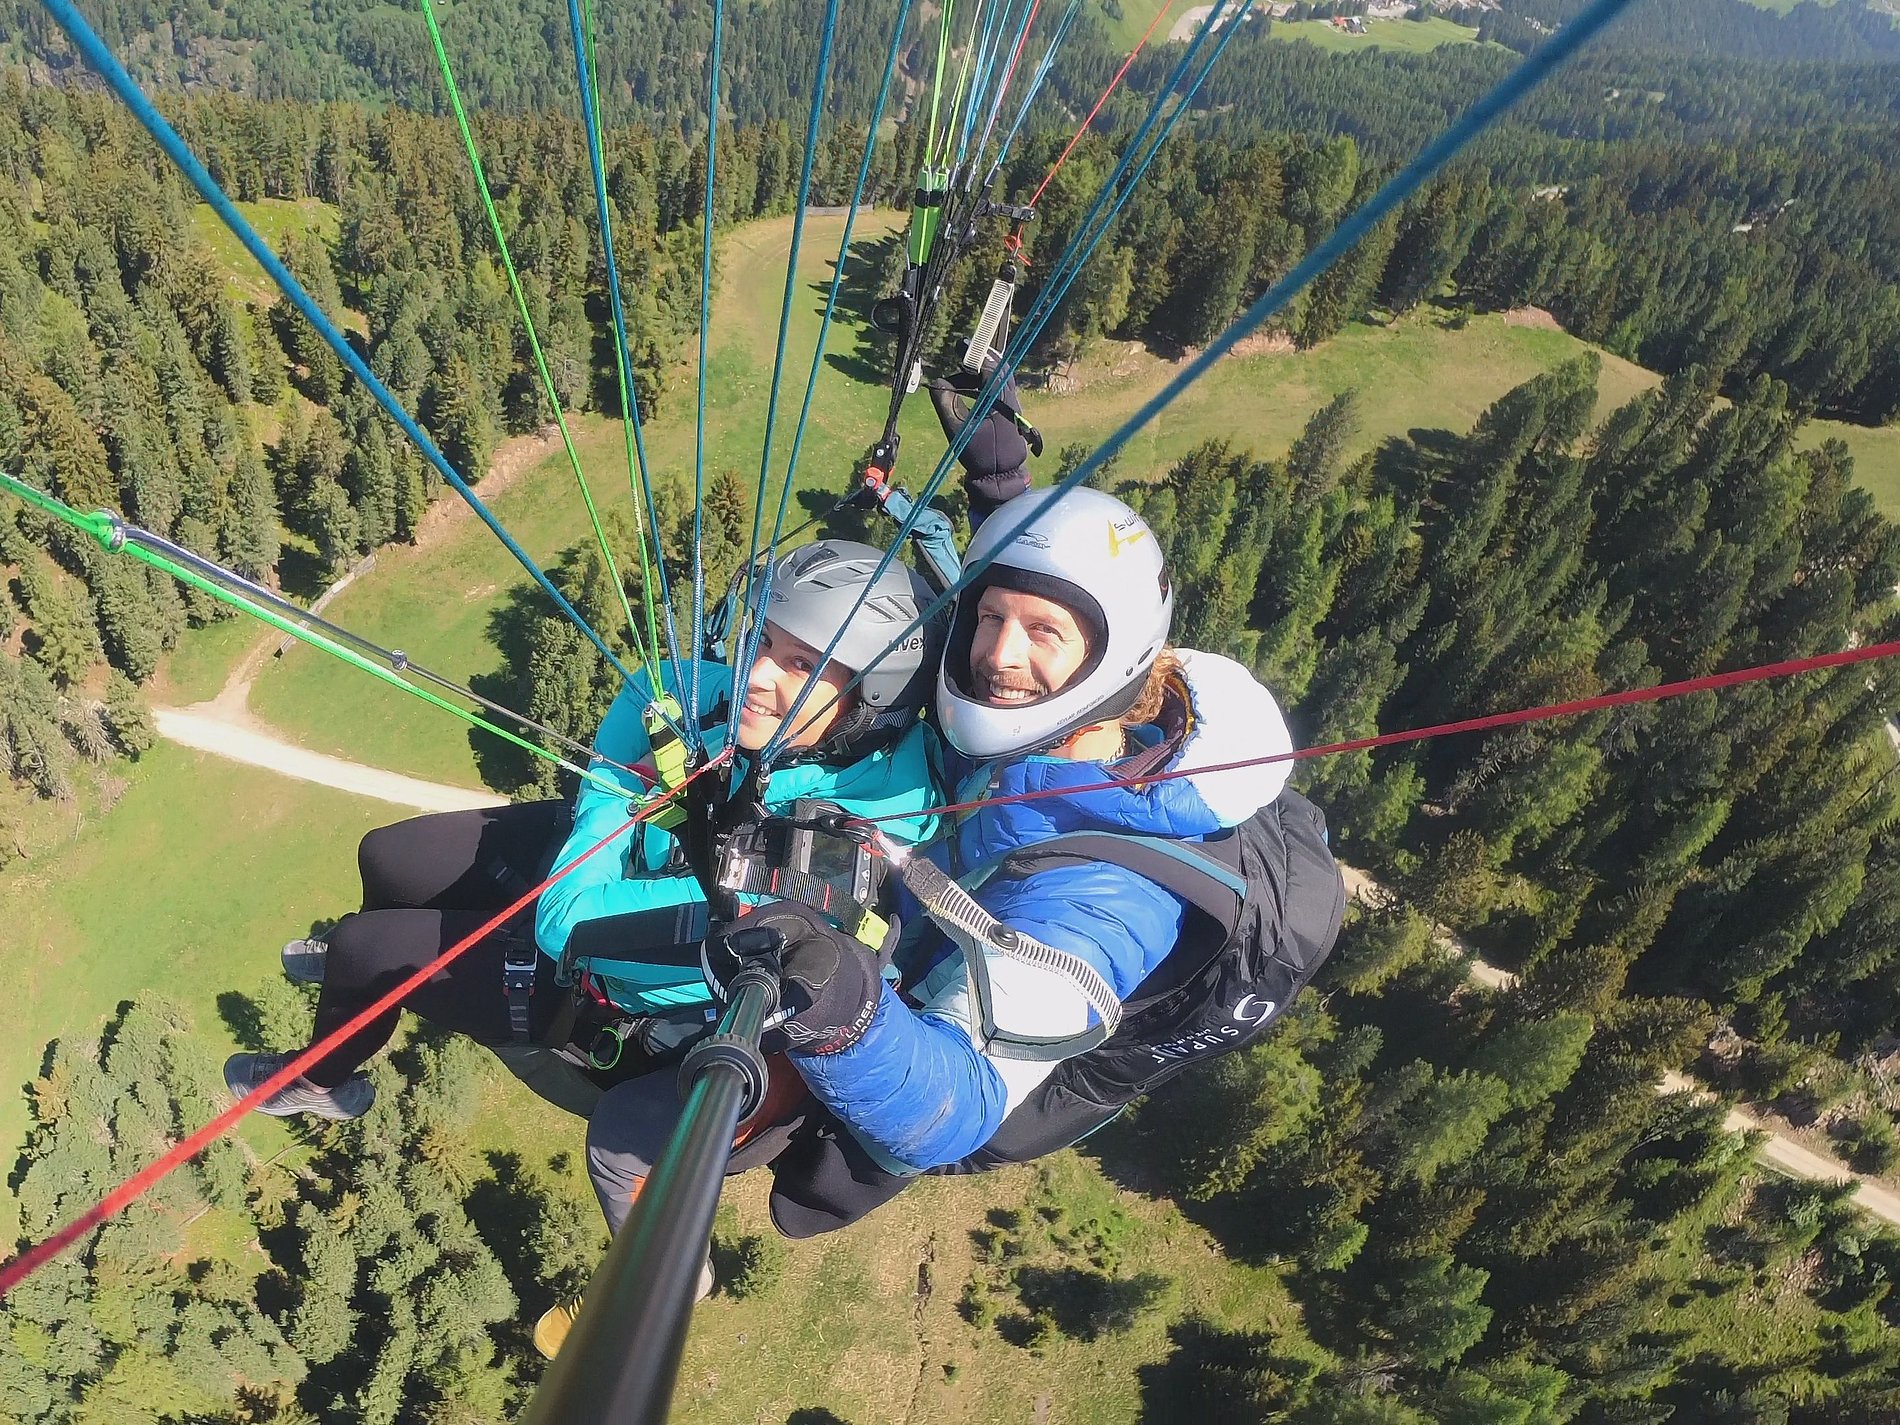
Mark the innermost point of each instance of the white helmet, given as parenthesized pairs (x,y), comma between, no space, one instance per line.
(1097,558)
(819,592)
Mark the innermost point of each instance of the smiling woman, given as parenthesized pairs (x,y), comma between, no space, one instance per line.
(832,594)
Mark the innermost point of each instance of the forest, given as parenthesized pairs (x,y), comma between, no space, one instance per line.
(1479,1204)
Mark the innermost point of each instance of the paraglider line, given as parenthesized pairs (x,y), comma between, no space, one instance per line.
(142,1182)
(1657,693)
(743,664)
(629,393)
(100,58)
(705,332)
(1113,84)
(650,653)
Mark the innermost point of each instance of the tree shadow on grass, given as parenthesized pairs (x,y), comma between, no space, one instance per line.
(511,626)
(245,1019)
(301,573)
(1217,1377)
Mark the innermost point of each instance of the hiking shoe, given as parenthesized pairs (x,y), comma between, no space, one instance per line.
(550,1332)
(352,1098)
(303,960)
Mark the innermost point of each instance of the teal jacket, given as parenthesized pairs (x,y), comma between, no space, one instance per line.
(627,876)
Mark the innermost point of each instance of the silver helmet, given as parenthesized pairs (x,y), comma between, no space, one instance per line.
(813,592)
(1097,558)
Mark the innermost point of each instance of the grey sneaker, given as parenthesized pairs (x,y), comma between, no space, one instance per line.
(304,960)
(352,1098)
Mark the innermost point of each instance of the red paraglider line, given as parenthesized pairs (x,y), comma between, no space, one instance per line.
(142,1182)
(1076,138)
(1760,673)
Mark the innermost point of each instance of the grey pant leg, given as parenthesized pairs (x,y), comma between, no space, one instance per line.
(625,1137)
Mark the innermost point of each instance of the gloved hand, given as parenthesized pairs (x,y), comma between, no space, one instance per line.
(830,980)
(996,460)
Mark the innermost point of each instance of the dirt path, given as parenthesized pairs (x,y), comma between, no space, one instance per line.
(514,458)
(225,726)
(1779,1152)
(207,728)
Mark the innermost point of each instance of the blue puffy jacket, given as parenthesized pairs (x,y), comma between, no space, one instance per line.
(627,877)
(918,1090)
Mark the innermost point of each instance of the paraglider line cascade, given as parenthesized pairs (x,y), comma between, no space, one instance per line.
(67,16)
(1113,195)
(649,652)
(629,394)
(1430,161)
(743,664)
(705,333)
(142,1182)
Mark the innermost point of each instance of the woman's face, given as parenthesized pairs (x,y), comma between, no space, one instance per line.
(780,672)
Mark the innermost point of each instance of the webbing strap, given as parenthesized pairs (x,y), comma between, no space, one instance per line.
(981,935)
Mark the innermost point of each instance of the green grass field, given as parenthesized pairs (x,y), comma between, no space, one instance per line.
(275,219)
(187,885)
(1408,36)
(1876,458)
(1135,17)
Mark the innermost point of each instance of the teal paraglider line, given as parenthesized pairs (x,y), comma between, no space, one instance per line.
(831,307)
(1032,326)
(100,58)
(827,35)
(1542,62)
(1034,88)
(705,325)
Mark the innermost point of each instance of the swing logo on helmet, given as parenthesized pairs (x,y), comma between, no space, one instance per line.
(1118,541)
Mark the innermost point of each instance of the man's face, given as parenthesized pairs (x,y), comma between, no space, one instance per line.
(1025,648)
(783,667)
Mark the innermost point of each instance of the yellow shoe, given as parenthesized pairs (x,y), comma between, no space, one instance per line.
(551,1330)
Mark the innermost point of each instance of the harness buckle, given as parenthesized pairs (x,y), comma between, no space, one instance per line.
(518,965)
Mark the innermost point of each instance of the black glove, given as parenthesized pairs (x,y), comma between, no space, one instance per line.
(831,985)
(996,460)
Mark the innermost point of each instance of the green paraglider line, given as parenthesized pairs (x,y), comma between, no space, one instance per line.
(650,652)
(100,57)
(750,644)
(116,537)
(779,534)
(638,473)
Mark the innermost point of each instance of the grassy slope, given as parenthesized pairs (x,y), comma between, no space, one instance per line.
(1136,16)
(275,219)
(1410,36)
(187,886)
(1415,374)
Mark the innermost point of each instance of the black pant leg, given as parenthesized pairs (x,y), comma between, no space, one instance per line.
(460,860)
(822,1180)
(374,951)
